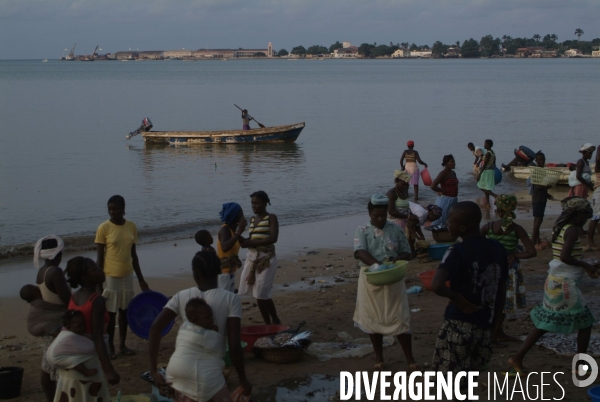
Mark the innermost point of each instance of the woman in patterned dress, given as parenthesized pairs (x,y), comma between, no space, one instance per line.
(564,310)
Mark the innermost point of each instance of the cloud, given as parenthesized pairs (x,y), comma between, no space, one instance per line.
(41,28)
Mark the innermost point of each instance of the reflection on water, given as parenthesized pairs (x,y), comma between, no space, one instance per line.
(57,169)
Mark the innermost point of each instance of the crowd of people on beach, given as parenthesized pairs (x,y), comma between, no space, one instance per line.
(76,311)
(481,275)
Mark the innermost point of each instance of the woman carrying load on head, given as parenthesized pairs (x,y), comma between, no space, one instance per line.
(486,180)
(382,310)
(446,185)
(261,262)
(228,243)
(584,173)
(412,157)
(56,294)
(563,310)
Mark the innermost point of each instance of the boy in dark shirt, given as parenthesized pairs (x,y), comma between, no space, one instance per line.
(204,238)
(539,197)
(477,270)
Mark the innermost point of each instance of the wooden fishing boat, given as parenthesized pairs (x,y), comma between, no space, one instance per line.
(523,172)
(287,133)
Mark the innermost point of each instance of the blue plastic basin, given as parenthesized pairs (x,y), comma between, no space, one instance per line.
(437,251)
(594,393)
(143,310)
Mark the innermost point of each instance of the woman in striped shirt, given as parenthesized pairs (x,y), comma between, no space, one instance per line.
(509,233)
(261,262)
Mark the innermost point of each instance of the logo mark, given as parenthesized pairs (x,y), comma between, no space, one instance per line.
(590,366)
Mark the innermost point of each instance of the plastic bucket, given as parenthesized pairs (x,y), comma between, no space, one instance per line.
(497,176)
(10,382)
(426,278)
(426,177)
(594,393)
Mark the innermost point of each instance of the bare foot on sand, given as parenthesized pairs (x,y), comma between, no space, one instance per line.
(516,364)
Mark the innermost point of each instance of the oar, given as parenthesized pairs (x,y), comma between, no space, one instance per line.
(260,125)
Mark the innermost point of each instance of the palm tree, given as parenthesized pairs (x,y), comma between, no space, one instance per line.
(537,37)
(579,32)
(553,37)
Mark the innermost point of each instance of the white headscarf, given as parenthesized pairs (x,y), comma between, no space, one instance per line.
(40,255)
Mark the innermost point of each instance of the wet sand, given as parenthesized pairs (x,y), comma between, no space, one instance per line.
(311,285)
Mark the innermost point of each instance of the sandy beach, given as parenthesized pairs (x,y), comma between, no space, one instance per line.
(314,283)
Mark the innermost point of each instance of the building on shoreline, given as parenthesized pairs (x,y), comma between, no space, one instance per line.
(573,53)
(535,52)
(346,52)
(233,53)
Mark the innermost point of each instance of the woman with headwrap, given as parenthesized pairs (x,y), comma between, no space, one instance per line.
(55,291)
(563,310)
(583,168)
(508,233)
(408,215)
(228,243)
(446,185)
(398,203)
(382,310)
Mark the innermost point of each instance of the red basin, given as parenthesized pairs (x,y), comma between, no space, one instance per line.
(251,333)
(427,276)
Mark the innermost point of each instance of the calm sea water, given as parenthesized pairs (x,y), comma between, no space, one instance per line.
(63,151)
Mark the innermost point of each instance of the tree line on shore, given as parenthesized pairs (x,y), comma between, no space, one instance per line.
(487,46)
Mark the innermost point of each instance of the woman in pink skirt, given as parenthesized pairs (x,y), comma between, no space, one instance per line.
(412,157)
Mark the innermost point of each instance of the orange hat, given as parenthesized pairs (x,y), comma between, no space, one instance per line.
(410,143)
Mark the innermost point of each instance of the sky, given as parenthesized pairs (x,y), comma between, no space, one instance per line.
(31,29)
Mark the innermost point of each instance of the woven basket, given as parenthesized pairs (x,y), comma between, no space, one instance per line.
(281,355)
(444,237)
(544,177)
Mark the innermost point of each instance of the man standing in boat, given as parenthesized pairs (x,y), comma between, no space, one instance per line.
(246,120)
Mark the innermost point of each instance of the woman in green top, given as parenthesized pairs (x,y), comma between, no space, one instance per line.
(486,180)
(508,233)
(563,310)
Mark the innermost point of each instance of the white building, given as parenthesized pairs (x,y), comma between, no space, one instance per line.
(420,53)
(346,44)
(401,53)
(573,53)
(176,54)
(346,52)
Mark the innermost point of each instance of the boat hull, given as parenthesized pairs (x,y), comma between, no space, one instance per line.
(523,173)
(269,134)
